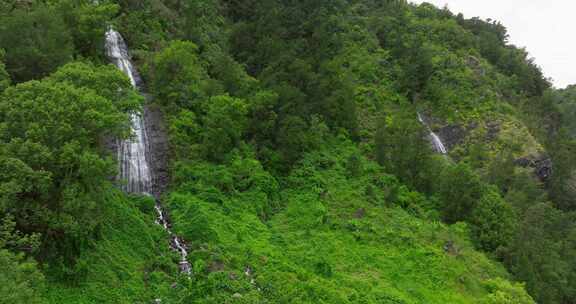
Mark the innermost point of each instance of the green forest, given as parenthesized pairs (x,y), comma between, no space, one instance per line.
(299,166)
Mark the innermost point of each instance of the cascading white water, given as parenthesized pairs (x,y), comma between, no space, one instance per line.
(434,139)
(133,152)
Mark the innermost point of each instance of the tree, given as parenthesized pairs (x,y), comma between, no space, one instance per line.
(15,240)
(501,170)
(106,80)
(87,23)
(224,125)
(336,100)
(296,136)
(493,221)
(401,147)
(542,254)
(179,79)
(185,132)
(52,167)
(4,76)
(505,292)
(20,280)
(418,68)
(230,74)
(36,41)
(459,188)
(562,185)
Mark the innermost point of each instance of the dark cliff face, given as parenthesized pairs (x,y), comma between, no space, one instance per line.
(455,134)
(542,165)
(158,148)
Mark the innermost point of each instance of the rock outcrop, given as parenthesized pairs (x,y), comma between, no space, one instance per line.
(541,164)
(159,148)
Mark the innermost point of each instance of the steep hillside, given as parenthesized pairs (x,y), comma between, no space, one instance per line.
(129,262)
(341,231)
(301,168)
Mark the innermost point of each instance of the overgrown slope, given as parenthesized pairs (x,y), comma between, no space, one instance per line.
(339,232)
(299,170)
(129,261)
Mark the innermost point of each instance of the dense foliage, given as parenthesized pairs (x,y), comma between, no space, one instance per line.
(300,172)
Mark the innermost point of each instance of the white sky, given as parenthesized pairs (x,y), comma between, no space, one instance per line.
(543,27)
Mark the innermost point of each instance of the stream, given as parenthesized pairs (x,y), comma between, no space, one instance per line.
(134,153)
(433,137)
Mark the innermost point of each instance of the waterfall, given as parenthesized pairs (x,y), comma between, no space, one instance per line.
(133,153)
(434,138)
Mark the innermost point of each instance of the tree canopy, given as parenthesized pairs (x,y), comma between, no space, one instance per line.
(287,138)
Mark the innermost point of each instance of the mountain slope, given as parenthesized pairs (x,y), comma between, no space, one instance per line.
(299,171)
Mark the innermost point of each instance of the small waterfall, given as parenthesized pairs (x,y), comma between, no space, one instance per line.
(133,153)
(434,138)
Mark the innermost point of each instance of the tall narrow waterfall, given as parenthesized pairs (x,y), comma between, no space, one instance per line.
(434,139)
(133,153)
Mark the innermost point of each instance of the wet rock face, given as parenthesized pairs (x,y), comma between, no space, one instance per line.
(452,135)
(542,165)
(455,134)
(158,148)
